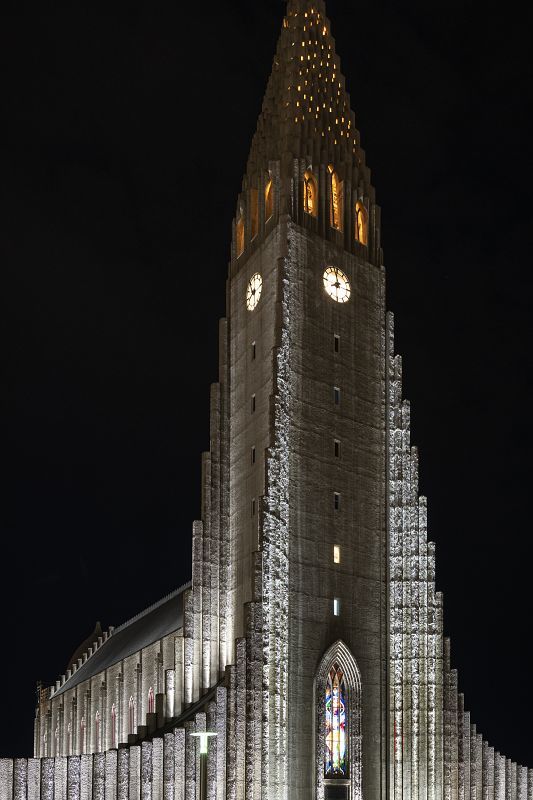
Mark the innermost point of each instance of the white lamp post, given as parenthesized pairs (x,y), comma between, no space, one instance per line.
(204,737)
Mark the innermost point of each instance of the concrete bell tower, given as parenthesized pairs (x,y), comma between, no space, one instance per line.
(306,377)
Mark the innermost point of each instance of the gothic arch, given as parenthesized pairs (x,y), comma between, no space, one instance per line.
(339,655)
(336,199)
(310,194)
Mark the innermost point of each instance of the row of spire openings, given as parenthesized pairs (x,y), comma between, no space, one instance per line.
(310,206)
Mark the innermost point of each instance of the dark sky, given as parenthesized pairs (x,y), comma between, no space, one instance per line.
(124,140)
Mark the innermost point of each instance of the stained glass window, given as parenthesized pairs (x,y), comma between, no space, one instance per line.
(336,755)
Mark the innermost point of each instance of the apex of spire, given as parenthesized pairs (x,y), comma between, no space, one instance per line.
(306,110)
(305,159)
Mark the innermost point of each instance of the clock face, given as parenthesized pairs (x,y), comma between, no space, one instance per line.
(337,285)
(253,292)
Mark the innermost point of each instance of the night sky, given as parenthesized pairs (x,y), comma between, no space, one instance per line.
(124,139)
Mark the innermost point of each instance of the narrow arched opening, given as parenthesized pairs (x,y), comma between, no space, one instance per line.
(335,199)
(239,234)
(338,725)
(310,194)
(269,197)
(361,223)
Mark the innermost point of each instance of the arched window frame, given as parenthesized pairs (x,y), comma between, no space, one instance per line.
(131,715)
(151,701)
(97,746)
(239,233)
(361,223)
(339,654)
(336,199)
(310,193)
(113,726)
(269,197)
(82,735)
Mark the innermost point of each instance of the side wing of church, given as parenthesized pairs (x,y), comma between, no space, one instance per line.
(310,639)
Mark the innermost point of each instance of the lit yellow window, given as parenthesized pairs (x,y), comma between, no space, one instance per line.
(336,200)
(336,554)
(254,213)
(269,198)
(239,234)
(310,194)
(361,223)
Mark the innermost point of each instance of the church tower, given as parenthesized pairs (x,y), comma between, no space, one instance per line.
(306,371)
(310,638)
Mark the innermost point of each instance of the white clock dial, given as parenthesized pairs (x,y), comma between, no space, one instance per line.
(337,285)
(253,292)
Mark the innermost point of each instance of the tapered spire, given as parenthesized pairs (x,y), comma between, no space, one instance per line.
(306,110)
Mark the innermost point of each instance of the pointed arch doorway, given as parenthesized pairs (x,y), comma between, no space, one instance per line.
(338,725)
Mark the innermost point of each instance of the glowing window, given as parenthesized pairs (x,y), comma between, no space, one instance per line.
(336,757)
(310,194)
(253,291)
(336,200)
(336,554)
(151,701)
(361,223)
(254,213)
(239,234)
(269,198)
(337,285)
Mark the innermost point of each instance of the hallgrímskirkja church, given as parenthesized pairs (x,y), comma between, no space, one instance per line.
(310,638)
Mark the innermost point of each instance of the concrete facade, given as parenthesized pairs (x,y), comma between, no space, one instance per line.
(312,549)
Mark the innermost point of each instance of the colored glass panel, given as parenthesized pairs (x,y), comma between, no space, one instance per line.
(336,760)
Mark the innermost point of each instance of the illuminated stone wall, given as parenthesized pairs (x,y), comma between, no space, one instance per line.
(259,617)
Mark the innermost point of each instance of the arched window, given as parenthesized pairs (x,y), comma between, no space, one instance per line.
(151,701)
(335,200)
(97,732)
(254,213)
(269,197)
(338,725)
(82,735)
(310,194)
(131,715)
(113,726)
(239,233)
(361,223)
(336,709)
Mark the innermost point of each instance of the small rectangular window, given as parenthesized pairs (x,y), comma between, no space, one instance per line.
(336,342)
(336,606)
(337,448)
(336,554)
(336,395)
(253,403)
(253,351)
(252,458)
(336,501)
(252,509)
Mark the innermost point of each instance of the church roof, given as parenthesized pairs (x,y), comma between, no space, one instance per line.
(152,624)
